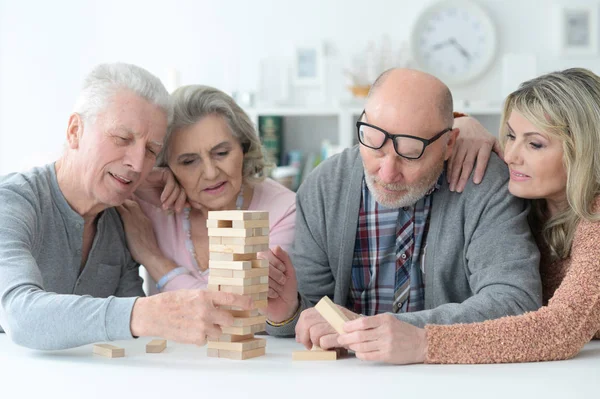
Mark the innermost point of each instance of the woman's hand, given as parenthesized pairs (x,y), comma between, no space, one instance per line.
(162,190)
(473,148)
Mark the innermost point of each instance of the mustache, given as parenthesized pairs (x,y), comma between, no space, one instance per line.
(389,186)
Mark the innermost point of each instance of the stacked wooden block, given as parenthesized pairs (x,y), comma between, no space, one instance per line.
(234,238)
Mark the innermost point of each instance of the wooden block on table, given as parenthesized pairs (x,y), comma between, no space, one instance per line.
(242,240)
(244,330)
(247,224)
(246,345)
(108,350)
(238,215)
(242,290)
(237,281)
(332,314)
(248,321)
(318,354)
(156,346)
(248,273)
(234,338)
(231,257)
(235,355)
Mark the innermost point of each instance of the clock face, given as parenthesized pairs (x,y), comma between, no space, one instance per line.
(454,40)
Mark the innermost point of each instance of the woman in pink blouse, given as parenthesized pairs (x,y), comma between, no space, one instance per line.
(550,134)
(213,151)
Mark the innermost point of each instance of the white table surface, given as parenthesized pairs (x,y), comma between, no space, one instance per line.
(184,371)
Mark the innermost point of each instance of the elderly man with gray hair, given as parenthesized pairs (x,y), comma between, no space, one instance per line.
(67,277)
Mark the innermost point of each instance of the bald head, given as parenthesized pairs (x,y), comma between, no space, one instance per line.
(413,92)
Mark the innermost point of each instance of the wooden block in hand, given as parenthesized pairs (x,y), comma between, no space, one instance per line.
(156,346)
(108,350)
(240,346)
(332,314)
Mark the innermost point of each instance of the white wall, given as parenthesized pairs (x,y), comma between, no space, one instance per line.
(46,47)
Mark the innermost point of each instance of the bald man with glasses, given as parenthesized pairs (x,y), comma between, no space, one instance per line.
(380,232)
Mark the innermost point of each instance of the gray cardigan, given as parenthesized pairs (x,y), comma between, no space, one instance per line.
(481,260)
(46,302)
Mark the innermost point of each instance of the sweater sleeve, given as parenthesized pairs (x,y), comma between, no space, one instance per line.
(38,319)
(554,332)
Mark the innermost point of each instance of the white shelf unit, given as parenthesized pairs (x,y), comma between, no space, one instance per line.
(302,125)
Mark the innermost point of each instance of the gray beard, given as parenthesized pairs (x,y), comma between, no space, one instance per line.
(412,193)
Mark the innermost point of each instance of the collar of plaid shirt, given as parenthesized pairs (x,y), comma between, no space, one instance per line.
(387,268)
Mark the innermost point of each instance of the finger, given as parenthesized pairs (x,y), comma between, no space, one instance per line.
(303,330)
(329,341)
(457,165)
(277,275)
(181,201)
(482,161)
(275,286)
(467,168)
(286,261)
(213,331)
(362,347)
(452,156)
(374,356)
(169,203)
(363,323)
(169,187)
(497,148)
(220,317)
(319,330)
(229,299)
(357,337)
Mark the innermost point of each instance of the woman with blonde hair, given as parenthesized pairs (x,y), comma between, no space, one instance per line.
(550,134)
(216,157)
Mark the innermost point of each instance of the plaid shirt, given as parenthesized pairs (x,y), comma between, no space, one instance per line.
(387,269)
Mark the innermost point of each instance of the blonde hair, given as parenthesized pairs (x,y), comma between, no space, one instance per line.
(564,104)
(194,102)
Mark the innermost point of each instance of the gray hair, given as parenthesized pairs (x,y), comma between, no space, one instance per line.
(105,80)
(194,102)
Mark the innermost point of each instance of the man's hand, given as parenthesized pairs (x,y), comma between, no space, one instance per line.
(186,316)
(473,148)
(313,329)
(384,338)
(283,287)
(162,190)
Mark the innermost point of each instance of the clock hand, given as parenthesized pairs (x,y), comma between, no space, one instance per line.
(460,48)
(441,44)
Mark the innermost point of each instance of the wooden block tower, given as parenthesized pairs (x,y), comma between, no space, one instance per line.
(234,239)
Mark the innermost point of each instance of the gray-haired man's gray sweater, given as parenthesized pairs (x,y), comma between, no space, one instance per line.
(45,302)
(481,261)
